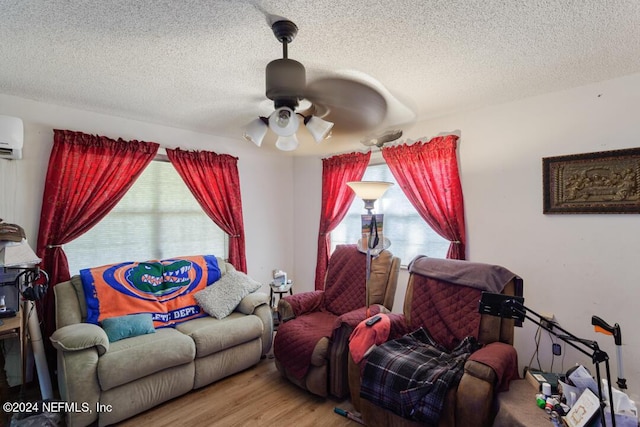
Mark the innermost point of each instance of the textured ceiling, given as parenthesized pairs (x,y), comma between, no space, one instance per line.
(199,64)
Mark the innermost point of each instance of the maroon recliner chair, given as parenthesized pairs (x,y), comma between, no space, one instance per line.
(442,298)
(307,347)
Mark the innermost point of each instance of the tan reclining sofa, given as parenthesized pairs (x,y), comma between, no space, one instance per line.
(134,374)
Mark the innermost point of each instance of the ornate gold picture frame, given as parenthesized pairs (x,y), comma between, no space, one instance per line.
(601,182)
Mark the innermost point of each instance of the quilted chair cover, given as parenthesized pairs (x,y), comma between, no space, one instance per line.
(449,311)
(310,346)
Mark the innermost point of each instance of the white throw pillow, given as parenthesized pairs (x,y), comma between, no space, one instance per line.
(221,297)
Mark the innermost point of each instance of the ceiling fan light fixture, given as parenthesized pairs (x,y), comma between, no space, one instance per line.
(287,143)
(318,128)
(256,130)
(284,122)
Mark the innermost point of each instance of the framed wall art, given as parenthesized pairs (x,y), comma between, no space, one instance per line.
(601,182)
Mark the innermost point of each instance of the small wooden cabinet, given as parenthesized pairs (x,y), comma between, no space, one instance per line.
(14,327)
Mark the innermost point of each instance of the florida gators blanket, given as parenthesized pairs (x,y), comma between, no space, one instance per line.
(163,288)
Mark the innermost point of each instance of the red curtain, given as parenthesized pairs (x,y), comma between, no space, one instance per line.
(214,181)
(427,172)
(86,178)
(336,199)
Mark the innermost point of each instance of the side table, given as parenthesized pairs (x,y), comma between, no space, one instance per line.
(279,290)
(15,327)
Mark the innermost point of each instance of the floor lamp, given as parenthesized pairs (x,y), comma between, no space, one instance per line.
(369,192)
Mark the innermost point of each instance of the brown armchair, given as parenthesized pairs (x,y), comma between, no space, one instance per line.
(311,344)
(442,297)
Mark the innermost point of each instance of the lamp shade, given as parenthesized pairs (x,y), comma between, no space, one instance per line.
(284,122)
(369,190)
(287,143)
(256,131)
(318,128)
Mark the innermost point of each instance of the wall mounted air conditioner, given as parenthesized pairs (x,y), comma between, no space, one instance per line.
(11,137)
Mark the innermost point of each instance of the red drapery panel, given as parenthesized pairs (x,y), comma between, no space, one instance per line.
(336,199)
(215,183)
(86,178)
(428,174)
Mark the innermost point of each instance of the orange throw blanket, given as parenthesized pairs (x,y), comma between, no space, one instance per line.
(163,288)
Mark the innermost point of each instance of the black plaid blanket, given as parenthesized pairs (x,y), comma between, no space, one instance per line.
(411,375)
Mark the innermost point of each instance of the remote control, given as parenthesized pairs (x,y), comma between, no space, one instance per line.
(373,320)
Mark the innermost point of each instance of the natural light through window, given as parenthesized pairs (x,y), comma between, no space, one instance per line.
(158,218)
(409,234)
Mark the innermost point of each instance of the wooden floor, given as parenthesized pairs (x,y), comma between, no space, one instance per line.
(258,396)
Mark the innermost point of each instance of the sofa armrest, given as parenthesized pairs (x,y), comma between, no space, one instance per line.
(79,348)
(249,303)
(353,374)
(480,371)
(501,358)
(487,371)
(294,305)
(339,348)
(399,326)
(474,396)
(257,304)
(354,317)
(80,336)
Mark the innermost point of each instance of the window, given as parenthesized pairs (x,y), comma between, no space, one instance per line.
(158,218)
(409,234)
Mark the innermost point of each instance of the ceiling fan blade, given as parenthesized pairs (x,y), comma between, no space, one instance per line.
(269,17)
(353,106)
(381,138)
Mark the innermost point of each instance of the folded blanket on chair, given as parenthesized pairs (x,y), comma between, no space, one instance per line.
(486,277)
(410,376)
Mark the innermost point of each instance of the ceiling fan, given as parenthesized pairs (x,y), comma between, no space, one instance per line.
(380,139)
(348,103)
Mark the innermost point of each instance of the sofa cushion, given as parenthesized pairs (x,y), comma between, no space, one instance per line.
(223,296)
(133,358)
(132,325)
(212,335)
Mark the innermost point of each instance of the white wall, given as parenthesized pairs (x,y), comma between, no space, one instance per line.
(573,266)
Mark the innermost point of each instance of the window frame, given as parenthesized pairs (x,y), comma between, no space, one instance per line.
(377,160)
(161,158)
